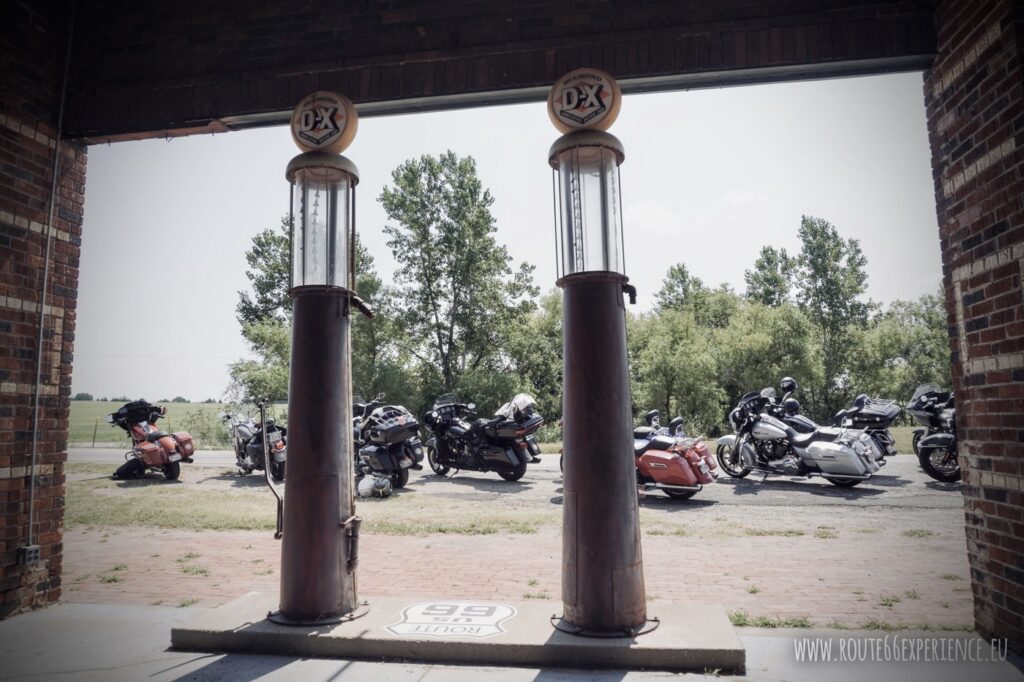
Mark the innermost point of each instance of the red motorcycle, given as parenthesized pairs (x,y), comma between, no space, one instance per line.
(151,448)
(670,461)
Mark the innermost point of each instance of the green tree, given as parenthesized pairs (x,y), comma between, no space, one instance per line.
(677,371)
(903,347)
(459,296)
(535,349)
(266,377)
(761,345)
(269,272)
(771,279)
(831,279)
(678,290)
(83,396)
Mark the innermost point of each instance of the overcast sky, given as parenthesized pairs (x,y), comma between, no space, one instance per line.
(710,177)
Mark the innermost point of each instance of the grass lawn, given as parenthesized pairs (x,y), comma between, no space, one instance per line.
(87,415)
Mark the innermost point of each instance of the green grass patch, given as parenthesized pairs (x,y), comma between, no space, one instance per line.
(742,619)
(187,602)
(918,533)
(184,558)
(536,595)
(950,576)
(195,569)
(825,533)
(774,532)
(889,600)
(110,578)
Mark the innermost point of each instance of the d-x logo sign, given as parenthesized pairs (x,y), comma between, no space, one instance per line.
(582,102)
(318,125)
(453,619)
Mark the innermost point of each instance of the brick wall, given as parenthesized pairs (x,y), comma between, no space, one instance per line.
(32,45)
(974,95)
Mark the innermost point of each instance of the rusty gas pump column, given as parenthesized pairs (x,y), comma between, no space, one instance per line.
(319,548)
(602,568)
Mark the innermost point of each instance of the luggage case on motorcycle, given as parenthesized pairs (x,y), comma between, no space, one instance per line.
(185,446)
(149,453)
(511,429)
(875,414)
(393,426)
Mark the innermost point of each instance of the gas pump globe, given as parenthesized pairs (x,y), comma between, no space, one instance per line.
(323,207)
(589,206)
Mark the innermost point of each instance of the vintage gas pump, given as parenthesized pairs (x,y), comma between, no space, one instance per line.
(319,549)
(602,568)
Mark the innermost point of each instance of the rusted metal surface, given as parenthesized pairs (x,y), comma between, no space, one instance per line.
(315,585)
(602,566)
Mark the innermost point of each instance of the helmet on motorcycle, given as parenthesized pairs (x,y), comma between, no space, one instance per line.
(791,406)
(861,400)
(788,385)
(652,418)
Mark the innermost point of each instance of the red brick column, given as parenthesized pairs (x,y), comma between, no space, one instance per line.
(974,95)
(35,41)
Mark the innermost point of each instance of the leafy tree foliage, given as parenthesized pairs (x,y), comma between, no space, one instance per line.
(535,348)
(458,296)
(269,272)
(904,347)
(82,396)
(771,279)
(679,289)
(831,281)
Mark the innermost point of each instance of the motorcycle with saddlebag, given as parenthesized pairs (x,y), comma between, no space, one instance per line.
(387,447)
(248,436)
(670,461)
(152,449)
(504,444)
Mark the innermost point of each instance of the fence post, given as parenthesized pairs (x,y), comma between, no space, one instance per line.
(95,426)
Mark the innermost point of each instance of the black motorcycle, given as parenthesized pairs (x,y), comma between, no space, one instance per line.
(935,444)
(248,436)
(387,444)
(503,444)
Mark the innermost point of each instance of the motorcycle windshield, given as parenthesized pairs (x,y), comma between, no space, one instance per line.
(446,399)
(522,404)
(924,389)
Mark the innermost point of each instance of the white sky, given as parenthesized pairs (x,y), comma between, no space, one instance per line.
(710,177)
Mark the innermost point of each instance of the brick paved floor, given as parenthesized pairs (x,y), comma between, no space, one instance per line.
(861,567)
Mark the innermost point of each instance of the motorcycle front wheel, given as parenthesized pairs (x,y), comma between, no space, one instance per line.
(172,470)
(399,478)
(729,460)
(439,469)
(941,464)
(917,443)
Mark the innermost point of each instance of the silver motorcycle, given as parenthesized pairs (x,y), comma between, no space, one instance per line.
(761,442)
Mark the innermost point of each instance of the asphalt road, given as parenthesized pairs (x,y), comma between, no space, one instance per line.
(900,483)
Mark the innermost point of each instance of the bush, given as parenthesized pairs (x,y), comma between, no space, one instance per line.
(83,396)
(206,428)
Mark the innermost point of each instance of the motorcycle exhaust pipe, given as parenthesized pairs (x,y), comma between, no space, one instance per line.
(666,486)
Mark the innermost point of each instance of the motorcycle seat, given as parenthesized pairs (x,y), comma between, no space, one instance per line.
(155,436)
(802,440)
(655,443)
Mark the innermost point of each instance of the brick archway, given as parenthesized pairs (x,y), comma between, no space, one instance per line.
(157,70)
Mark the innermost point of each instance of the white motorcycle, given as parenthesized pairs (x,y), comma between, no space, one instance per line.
(843,457)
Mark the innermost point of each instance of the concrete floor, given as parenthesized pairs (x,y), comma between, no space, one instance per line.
(105,642)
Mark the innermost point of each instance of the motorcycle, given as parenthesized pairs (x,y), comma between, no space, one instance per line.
(764,443)
(670,461)
(871,416)
(248,436)
(503,444)
(935,444)
(152,449)
(387,447)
